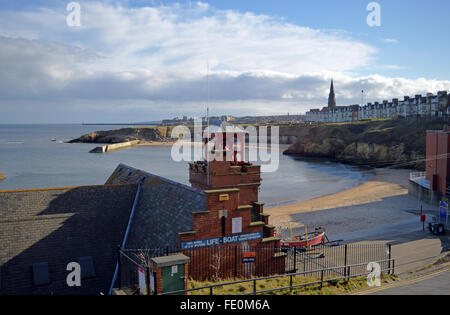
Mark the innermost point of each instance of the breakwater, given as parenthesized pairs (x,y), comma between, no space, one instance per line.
(114,147)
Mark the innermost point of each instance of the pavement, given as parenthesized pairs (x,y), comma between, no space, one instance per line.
(379,232)
(431,281)
(412,248)
(437,284)
(415,252)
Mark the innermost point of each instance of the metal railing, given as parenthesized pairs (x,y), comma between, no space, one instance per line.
(348,275)
(212,263)
(219,263)
(416,175)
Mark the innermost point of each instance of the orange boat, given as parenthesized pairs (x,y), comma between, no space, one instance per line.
(306,240)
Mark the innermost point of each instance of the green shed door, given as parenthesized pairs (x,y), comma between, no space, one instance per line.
(173,278)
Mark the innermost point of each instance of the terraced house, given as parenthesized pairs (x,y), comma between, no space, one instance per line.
(431,106)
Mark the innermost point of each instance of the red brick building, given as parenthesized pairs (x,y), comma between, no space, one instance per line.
(218,222)
(438,160)
(234,225)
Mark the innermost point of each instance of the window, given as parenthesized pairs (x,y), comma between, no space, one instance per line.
(223,219)
(41,274)
(87,267)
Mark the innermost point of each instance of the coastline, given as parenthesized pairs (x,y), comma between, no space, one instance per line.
(382,199)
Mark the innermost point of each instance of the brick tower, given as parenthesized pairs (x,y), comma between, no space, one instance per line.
(231,171)
(233,217)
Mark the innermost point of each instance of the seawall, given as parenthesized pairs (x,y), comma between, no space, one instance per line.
(424,194)
(114,147)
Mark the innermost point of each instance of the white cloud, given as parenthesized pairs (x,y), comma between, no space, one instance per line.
(139,61)
(390,40)
(391,67)
(183,39)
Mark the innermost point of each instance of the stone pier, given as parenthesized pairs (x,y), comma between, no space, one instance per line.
(114,147)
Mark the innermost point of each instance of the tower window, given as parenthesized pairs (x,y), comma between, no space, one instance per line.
(223,220)
(87,267)
(41,274)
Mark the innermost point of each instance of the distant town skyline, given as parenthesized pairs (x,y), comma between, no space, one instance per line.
(132,61)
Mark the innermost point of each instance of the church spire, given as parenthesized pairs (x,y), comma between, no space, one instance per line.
(332,96)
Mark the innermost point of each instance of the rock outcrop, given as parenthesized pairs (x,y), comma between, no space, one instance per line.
(377,143)
(121,135)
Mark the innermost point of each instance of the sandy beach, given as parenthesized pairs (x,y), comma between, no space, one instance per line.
(381,200)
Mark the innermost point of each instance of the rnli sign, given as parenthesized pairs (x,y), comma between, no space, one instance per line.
(221,240)
(249,257)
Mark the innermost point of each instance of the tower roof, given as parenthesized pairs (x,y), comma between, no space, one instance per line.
(332,96)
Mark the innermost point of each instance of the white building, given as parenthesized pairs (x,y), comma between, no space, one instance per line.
(431,105)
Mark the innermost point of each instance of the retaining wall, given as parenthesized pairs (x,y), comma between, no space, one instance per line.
(114,147)
(424,194)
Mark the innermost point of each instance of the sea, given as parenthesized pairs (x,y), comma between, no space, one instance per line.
(38,156)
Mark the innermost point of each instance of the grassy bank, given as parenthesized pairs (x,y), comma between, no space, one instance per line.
(329,288)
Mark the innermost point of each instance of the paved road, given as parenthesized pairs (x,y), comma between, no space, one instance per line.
(412,248)
(428,285)
(381,232)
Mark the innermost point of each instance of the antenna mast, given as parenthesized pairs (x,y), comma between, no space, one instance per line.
(207,123)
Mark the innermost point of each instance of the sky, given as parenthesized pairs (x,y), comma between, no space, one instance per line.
(143,60)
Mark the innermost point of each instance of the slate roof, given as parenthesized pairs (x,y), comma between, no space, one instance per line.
(59,226)
(164,208)
(53,227)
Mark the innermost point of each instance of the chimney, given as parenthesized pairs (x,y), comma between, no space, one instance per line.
(395,101)
(406,98)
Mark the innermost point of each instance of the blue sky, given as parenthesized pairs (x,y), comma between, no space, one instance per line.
(135,59)
(420,28)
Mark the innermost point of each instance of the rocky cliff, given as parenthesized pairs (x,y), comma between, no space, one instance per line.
(122,135)
(376,143)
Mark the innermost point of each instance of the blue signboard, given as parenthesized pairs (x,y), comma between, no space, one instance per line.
(443,211)
(249,257)
(221,240)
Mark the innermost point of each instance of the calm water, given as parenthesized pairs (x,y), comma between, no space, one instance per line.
(30,159)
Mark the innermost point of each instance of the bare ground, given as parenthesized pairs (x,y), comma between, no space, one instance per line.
(382,200)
